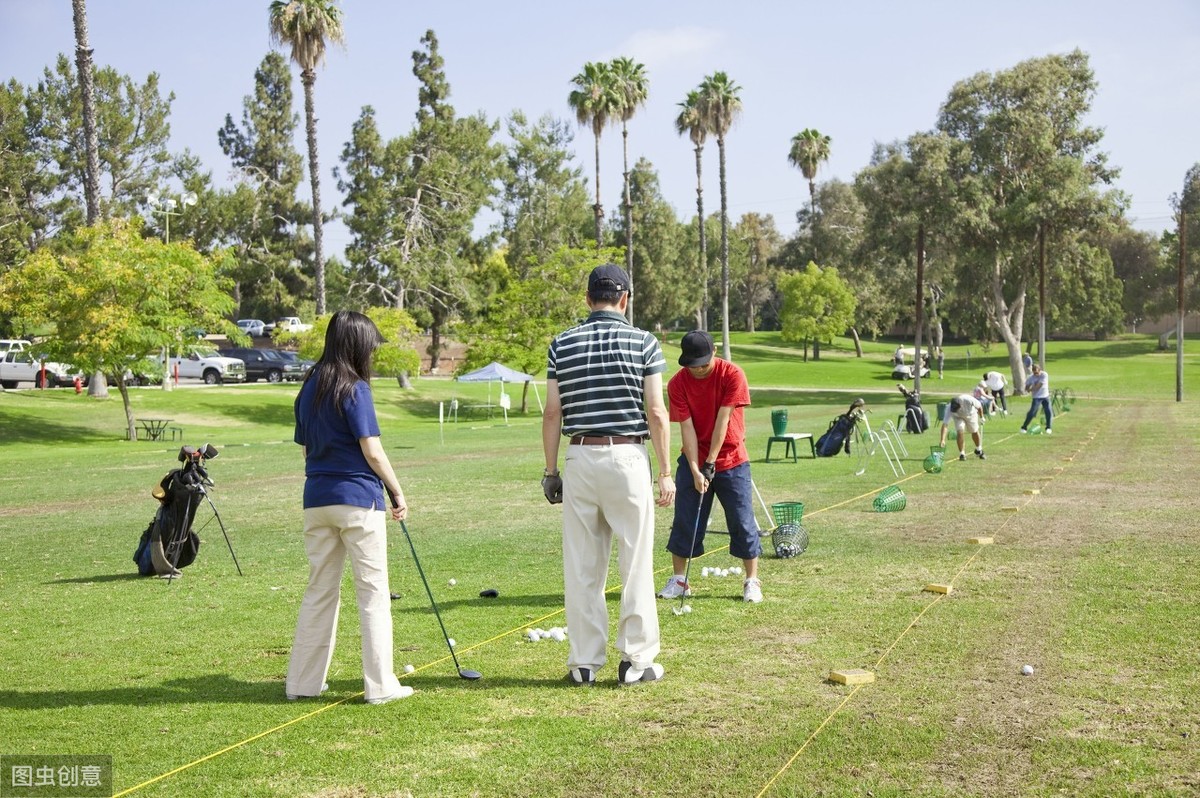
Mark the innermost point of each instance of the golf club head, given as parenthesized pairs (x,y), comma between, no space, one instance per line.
(470,675)
(186,453)
(208,451)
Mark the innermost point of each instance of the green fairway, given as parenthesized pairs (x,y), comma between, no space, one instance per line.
(1092,580)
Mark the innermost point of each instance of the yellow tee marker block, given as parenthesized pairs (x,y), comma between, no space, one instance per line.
(1010,509)
(1032,491)
(981,541)
(1069,459)
(1058,469)
(933,587)
(852,676)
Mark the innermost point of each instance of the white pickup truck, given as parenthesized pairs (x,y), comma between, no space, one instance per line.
(210,367)
(18,365)
(291,324)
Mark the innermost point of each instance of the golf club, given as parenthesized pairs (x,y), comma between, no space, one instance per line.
(770,518)
(691,550)
(463,673)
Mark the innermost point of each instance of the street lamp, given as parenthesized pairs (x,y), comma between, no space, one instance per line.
(165,206)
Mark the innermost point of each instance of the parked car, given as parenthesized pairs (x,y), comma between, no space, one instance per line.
(21,365)
(19,344)
(255,328)
(291,324)
(294,357)
(207,365)
(265,364)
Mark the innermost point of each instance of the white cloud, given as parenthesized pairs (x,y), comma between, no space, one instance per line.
(664,49)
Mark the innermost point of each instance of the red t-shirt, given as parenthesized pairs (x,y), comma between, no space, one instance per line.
(700,399)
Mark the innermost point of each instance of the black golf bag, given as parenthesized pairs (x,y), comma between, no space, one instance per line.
(915,419)
(169,542)
(841,430)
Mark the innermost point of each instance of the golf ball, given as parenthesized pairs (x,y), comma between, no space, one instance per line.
(687,608)
(409,669)
(704,572)
(532,635)
(453,582)
(724,572)
(452,643)
(1027,670)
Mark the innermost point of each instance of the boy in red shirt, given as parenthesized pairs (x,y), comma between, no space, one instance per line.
(706,397)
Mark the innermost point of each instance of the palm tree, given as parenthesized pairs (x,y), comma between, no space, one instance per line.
(690,122)
(809,150)
(306,26)
(83,61)
(632,87)
(594,100)
(719,107)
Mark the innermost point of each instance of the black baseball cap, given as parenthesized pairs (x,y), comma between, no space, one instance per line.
(608,277)
(697,349)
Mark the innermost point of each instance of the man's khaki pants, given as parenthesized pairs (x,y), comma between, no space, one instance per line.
(606,491)
(330,533)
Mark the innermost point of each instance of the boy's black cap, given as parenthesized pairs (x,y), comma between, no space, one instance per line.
(697,349)
(608,277)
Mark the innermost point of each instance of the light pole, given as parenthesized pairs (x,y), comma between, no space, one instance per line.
(165,207)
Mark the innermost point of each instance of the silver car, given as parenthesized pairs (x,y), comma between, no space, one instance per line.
(255,328)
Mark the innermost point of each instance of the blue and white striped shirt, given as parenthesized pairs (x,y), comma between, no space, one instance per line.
(600,366)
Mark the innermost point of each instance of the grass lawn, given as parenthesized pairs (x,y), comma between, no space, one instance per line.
(1092,580)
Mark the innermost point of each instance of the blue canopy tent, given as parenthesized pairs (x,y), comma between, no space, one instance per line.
(498,372)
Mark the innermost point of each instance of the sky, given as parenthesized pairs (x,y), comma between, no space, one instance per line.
(860,71)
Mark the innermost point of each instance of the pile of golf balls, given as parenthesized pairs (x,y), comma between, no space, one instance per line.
(736,571)
(557,634)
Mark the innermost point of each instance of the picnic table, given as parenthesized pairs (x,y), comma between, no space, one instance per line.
(155,428)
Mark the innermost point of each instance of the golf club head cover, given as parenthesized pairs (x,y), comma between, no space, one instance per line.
(709,471)
(552,486)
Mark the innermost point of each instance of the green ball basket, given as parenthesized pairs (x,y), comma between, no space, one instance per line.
(890,500)
(788,538)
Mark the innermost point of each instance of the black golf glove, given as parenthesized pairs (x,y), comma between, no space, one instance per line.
(709,471)
(552,487)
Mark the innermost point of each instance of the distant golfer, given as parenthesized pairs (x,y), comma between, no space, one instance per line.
(996,383)
(966,413)
(604,393)
(1038,387)
(346,471)
(706,398)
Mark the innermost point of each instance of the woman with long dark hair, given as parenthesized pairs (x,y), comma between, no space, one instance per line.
(346,472)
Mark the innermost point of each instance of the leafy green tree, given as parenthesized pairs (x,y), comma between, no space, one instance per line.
(720,106)
(817,305)
(809,150)
(1028,162)
(114,296)
(666,289)
(260,216)
(544,204)
(87,92)
(307,26)
(25,188)
(632,88)
(595,100)
(691,122)
(396,356)
(1086,290)
(757,241)
(1138,263)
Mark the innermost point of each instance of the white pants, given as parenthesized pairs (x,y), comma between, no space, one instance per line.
(329,534)
(607,490)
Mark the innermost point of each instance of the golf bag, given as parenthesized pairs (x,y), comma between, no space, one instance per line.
(169,542)
(915,420)
(841,430)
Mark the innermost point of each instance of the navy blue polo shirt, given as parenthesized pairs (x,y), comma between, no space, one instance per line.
(336,470)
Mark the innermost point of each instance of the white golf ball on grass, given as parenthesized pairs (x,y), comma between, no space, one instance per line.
(409,669)
(453,582)
(1027,670)
(452,643)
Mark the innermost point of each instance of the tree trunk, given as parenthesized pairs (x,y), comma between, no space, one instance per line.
(857,342)
(920,308)
(87,90)
(628,222)
(1008,322)
(98,386)
(130,428)
(805,350)
(404,381)
(724,254)
(525,398)
(816,349)
(435,345)
(308,77)
(598,209)
(703,325)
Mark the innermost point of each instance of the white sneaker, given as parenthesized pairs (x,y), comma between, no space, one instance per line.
(1024,431)
(627,674)
(752,591)
(675,588)
(404,692)
(1049,431)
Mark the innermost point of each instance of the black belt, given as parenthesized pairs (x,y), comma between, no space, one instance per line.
(604,440)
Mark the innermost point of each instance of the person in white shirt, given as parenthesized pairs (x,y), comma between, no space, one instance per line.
(1038,386)
(997,383)
(966,413)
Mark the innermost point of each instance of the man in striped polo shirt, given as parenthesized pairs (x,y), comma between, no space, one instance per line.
(604,393)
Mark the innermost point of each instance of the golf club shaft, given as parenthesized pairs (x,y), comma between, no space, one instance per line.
(687,569)
(770,518)
(425,582)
